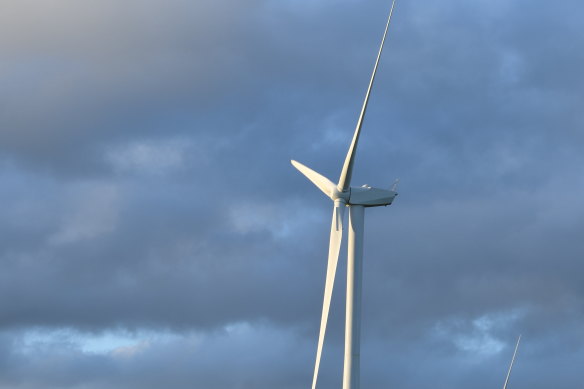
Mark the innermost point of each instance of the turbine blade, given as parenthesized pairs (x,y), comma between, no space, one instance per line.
(333,257)
(347,172)
(317,179)
(512,361)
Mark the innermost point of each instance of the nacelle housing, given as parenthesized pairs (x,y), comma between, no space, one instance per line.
(371,197)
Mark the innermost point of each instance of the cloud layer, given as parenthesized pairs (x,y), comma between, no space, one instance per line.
(154,234)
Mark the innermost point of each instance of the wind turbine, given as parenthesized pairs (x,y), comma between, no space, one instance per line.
(356,199)
(512,361)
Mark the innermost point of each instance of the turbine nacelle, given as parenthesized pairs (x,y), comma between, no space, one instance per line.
(365,195)
(371,197)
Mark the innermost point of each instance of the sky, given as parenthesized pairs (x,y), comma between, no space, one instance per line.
(153,233)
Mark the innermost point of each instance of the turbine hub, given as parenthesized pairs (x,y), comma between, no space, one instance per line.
(338,195)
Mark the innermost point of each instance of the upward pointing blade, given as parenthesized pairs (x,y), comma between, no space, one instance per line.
(347,172)
(333,257)
(512,361)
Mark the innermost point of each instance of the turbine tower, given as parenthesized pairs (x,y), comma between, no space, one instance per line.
(356,199)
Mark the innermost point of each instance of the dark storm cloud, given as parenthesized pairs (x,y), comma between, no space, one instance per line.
(101,259)
(146,189)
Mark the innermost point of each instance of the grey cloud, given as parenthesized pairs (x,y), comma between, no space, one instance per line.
(146,185)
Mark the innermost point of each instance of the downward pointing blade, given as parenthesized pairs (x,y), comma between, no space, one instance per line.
(333,257)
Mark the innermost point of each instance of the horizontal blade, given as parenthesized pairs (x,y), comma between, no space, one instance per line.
(317,179)
(347,172)
(333,257)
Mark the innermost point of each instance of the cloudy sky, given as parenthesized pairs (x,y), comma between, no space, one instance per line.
(153,233)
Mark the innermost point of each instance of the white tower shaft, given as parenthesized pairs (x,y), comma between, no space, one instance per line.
(351,369)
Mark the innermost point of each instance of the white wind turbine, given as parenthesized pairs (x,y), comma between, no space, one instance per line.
(512,361)
(356,198)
